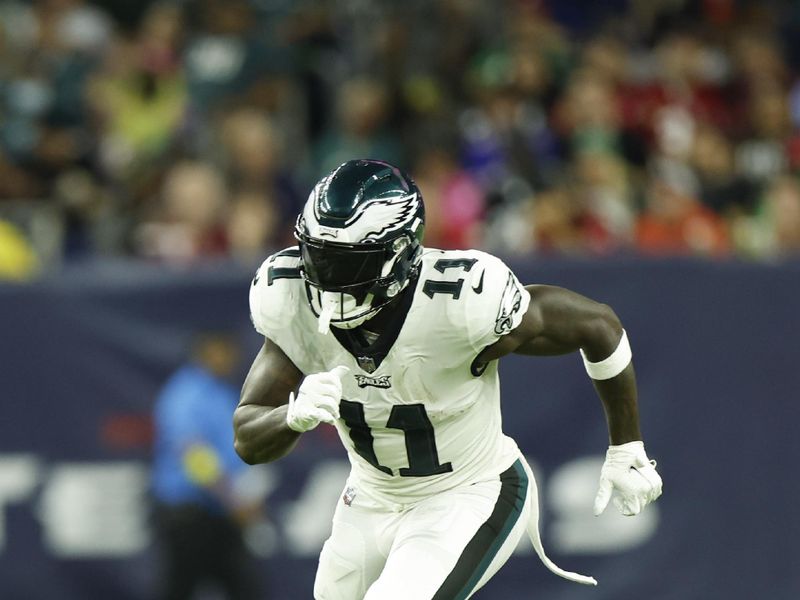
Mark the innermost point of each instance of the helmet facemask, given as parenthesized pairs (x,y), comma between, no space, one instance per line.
(347,284)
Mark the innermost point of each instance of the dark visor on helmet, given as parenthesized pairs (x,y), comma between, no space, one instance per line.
(332,267)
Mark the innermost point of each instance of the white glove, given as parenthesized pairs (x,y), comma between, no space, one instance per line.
(317,400)
(628,471)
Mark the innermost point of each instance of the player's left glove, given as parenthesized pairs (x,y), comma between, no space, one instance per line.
(629,472)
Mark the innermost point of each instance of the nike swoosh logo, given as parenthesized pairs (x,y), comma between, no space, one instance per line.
(479,287)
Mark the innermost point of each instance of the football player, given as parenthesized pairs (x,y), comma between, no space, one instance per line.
(396,345)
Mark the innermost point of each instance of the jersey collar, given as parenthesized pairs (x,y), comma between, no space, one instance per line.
(370,356)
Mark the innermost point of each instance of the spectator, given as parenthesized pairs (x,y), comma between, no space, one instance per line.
(253,155)
(555,217)
(362,109)
(722,189)
(187,222)
(605,202)
(224,54)
(252,227)
(454,204)
(774,229)
(762,155)
(139,98)
(674,221)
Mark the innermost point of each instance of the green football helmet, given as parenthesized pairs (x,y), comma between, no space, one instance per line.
(360,237)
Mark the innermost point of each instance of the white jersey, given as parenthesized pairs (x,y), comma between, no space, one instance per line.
(415,417)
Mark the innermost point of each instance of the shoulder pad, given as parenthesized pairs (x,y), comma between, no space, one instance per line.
(482,297)
(495,302)
(275,291)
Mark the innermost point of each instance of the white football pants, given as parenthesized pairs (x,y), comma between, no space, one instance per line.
(445,547)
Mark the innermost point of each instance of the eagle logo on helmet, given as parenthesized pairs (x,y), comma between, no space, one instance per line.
(384,215)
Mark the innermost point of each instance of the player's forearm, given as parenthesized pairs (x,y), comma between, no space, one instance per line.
(604,341)
(619,398)
(261,434)
(259,422)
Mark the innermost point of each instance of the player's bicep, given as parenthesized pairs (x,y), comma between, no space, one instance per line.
(566,321)
(271,378)
(557,321)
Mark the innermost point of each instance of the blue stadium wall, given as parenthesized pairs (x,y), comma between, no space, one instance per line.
(717,352)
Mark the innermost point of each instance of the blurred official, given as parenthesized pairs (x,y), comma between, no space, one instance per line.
(201,487)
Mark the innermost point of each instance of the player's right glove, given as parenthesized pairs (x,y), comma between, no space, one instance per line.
(628,472)
(317,400)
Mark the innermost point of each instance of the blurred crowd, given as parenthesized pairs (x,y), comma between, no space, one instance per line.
(191,129)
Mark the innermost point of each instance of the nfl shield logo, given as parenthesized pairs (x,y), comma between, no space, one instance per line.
(367,363)
(348,496)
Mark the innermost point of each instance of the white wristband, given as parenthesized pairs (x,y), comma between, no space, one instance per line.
(613,365)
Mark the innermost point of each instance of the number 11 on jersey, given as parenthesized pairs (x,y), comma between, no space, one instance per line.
(413,421)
